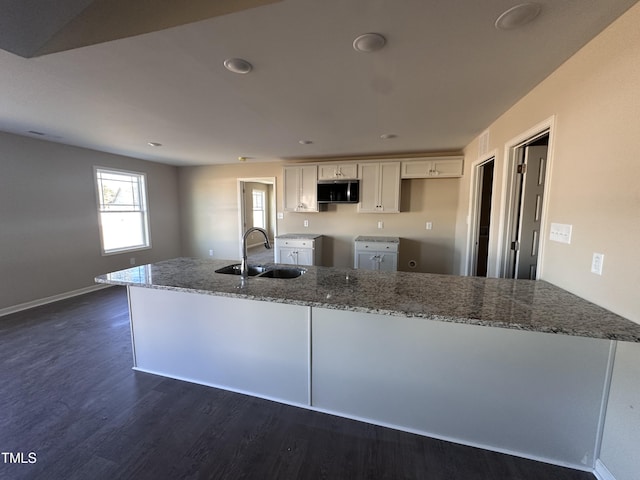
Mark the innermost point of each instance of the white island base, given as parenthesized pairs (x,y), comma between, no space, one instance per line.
(534,395)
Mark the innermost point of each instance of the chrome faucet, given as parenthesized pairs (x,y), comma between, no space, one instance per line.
(244,267)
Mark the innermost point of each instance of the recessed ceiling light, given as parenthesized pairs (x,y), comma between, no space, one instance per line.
(387,136)
(154,144)
(369,42)
(518,16)
(305,142)
(237,65)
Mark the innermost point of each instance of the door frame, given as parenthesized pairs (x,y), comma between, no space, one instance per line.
(474,209)
(509,203)
(241,206)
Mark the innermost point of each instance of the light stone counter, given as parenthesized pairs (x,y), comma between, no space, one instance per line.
(299,236)
(514,304)
(376,238)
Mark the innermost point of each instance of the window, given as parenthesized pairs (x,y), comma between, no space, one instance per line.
(259,216)
(122,210)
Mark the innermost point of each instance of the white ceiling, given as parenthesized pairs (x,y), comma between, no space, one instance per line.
(444,75)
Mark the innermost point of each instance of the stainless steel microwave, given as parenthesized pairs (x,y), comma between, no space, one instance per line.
(338,191)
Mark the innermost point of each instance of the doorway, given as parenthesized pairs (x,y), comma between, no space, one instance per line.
(485,172)
(529,180)
(481,219)
(257,208)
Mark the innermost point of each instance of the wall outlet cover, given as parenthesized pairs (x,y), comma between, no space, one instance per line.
(560,232)
(596,263)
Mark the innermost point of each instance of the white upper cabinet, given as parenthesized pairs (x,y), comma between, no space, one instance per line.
(435,167)
(379,187)
(300,188)
(346,171)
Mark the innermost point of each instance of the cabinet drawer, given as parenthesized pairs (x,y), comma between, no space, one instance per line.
(296,243)
(377,246)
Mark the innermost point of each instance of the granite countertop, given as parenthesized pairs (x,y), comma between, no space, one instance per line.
(535,306)
(369,238)
(298,236)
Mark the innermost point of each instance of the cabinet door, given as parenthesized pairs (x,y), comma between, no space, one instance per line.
(447,168)
(288,256)
(389,187)
(291,188)
(327,172)
(300,188)
(305,256)
(308,189)
(369,188)
(387,262)
(416,169)
(348,171)
(366,260)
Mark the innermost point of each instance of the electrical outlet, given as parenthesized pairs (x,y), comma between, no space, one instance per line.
(211,252)
(280,216)
(306,223)
(380,224)
(429,226)
(596,263)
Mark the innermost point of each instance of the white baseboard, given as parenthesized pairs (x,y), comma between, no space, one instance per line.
(43,301)
(602,472)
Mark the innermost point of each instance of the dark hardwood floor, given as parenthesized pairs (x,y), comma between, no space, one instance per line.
(69,395)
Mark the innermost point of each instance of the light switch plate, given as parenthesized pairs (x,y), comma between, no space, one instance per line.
(560,232)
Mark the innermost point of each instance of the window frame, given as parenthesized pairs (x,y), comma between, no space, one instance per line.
(144,208)
(263,211)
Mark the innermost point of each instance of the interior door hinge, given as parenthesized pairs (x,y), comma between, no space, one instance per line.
(515,246)
(522,168)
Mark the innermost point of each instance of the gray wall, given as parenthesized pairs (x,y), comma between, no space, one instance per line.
(49,237)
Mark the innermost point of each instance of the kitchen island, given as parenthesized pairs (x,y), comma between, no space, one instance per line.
(405,350)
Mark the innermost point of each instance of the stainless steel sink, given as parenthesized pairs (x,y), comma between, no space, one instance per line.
(235,269)
(280,272)
(263,271)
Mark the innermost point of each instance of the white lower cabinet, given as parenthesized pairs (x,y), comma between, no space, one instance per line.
(294,251)
(380,256)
